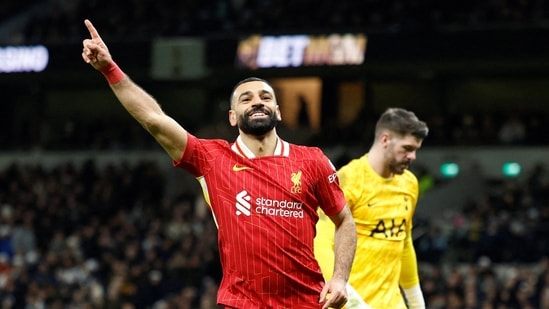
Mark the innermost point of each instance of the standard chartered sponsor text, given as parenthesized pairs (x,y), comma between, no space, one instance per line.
(278,208)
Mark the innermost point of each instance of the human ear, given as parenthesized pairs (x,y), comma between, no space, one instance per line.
(232,118)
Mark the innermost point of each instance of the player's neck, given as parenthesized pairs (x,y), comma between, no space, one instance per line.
(377,162)
(261,145)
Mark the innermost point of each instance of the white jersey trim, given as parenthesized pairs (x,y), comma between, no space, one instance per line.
(282,148)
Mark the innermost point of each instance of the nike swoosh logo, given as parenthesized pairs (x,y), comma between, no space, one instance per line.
(371,204)
(238,168)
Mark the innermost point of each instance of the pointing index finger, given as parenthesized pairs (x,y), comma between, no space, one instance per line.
(93,32)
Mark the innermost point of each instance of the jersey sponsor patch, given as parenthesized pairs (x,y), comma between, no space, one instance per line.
(246,205)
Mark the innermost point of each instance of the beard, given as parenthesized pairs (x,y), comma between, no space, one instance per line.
(257,127)
(398,167)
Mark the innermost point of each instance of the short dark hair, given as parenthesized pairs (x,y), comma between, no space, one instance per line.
(403,122)
(246,80)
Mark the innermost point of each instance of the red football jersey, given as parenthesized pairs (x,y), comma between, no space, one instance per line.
(265,212)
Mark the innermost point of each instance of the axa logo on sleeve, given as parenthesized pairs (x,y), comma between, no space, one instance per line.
(245,206)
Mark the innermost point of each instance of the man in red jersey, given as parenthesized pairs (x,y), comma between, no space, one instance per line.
(263,193)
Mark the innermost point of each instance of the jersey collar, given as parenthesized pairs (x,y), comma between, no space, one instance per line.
(282,148)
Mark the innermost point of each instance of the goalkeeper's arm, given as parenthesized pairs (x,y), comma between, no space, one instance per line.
(414,297)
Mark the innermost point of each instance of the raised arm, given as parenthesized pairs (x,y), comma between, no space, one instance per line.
(141,105)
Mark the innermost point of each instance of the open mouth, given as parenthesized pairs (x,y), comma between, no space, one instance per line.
(258,115)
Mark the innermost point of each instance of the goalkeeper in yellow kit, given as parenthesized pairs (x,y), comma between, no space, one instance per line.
(382,194)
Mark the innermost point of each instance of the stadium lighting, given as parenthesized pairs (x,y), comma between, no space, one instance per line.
(449,169)
(511,169)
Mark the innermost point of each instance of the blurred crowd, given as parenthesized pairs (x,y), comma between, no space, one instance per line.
(90,236)
(464,129)
(494,251)
(103,237)
(514,128)
(484,285)
(136,19)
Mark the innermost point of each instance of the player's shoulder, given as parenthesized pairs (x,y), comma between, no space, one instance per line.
(304,151)
(212,143)
(208,141)
(208,146)
(354,173)
(311,156)
(355,164)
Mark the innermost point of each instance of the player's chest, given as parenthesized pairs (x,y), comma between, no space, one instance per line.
(267,175)
(386,205)
(262,189)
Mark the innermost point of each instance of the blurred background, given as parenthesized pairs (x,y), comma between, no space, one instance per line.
(93,215)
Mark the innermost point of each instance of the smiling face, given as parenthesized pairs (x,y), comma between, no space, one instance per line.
(253,108)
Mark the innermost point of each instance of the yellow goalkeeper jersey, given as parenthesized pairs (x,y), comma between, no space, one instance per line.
(383,209)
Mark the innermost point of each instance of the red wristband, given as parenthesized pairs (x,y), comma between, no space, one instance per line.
(112,73)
